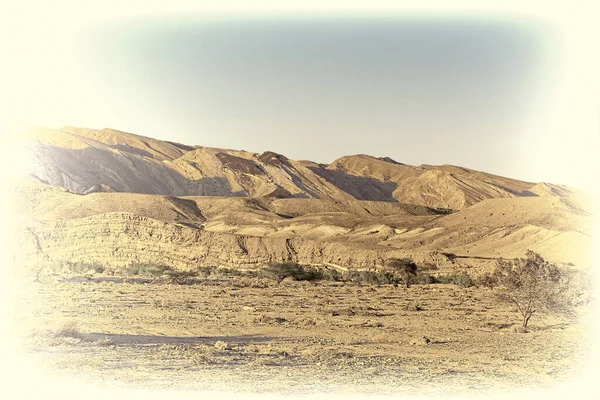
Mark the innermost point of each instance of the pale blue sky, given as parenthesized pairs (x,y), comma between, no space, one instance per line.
(466,91)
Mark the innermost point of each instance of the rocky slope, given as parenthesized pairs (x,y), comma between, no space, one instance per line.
(86,161)
(120,228)
(119,198)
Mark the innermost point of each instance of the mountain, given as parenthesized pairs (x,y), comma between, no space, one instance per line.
(118,198)
(87,160)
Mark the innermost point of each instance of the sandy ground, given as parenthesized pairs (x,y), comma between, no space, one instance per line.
(254,336)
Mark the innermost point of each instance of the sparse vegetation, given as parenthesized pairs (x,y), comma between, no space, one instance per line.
(270,325)
(424,279)
(372,277)
(82,267)
(463,279)
(146,269)
(280,271)
(487,280)
(404,267)
(428,266)
(333,275)
(180,277)
(531,284)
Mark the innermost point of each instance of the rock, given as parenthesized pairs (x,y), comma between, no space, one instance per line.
(412,307)
(221,345)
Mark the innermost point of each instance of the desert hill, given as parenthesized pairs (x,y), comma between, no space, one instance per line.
(87,160)
(120,228)
(118,198)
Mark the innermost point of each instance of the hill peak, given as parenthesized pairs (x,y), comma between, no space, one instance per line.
(90,160)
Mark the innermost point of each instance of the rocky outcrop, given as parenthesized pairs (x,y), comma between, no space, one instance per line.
(118,239)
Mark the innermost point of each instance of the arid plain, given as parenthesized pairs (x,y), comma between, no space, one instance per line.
(143,261)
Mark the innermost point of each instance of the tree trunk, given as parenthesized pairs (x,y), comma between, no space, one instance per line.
(526,319)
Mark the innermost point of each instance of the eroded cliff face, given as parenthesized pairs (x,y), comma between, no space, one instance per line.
(119,239)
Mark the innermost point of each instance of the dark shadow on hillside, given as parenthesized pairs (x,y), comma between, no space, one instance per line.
(133,150)
(122,172)
(362,188)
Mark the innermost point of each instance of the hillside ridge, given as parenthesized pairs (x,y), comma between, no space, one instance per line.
(87,160)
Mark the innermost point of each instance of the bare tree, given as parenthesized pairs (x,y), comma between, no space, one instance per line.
(531,284)
(405,267)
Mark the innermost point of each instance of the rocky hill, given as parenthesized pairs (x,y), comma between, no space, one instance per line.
(86,161)
(118,198)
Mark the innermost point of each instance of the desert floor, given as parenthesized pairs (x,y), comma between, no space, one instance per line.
(292,338)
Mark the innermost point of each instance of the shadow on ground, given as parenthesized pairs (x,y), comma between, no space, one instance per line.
(123,339)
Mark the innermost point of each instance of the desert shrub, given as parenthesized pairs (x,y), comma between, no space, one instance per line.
(404,267)
(81,267)
(141,268)
(371,277)
(99,269)
(229,272)
(463,279)
(152,269)
(297,272)
(173,275)
(487,280)
(386,278)
(131,269)
(424,279)
(533,284)
(581,286)
(332,275)
(180,277)
(349,276)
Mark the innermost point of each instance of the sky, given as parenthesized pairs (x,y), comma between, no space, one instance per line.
(493,91)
